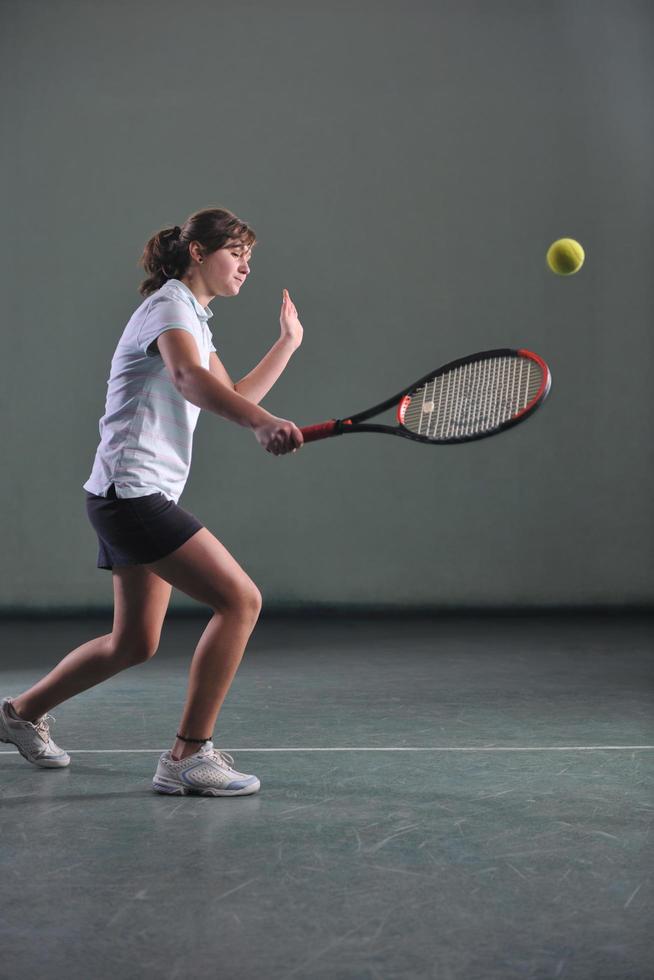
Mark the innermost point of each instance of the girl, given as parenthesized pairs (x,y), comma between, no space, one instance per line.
(164,370)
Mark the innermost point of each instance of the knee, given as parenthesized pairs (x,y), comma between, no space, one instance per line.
(252,602)
(135,650)
(145,652)
(247,600)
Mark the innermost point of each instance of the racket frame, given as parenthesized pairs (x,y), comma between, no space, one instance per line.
(353,423)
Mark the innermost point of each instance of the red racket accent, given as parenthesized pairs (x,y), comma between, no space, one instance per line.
(401,408)
(544,383)
(321,431)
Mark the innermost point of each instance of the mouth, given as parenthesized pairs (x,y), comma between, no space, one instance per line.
(239,280)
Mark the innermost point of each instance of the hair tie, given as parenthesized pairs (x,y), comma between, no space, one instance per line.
(177,231)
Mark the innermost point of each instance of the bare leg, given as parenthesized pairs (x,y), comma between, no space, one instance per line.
(140,604)
(204,569)
(215,662)
(83,667)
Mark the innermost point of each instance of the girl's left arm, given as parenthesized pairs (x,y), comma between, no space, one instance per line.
(260,380)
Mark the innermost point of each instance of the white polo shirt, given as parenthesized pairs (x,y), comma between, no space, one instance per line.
(146,432)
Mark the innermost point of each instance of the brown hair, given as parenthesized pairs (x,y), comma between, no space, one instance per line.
(166,255)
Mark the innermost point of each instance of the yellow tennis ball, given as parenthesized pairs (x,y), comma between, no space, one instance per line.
(565,256)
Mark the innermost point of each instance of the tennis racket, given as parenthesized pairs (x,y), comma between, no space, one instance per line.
(470,398)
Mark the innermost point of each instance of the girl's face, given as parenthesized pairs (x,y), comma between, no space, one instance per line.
(225,270)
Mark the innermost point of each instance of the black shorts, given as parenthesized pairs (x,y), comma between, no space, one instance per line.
(137,530)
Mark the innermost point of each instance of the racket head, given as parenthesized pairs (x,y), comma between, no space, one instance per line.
(475,396)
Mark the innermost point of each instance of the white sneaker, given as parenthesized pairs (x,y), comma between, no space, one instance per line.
(32,739)
(208,772)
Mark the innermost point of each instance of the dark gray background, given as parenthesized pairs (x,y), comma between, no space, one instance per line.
(405,167)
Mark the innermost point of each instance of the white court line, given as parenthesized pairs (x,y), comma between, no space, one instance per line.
(400,748)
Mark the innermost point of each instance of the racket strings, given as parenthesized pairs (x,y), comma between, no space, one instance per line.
(475,397)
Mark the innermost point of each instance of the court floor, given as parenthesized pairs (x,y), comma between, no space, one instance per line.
(455,796)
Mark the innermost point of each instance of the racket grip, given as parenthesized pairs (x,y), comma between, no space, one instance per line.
(323,430)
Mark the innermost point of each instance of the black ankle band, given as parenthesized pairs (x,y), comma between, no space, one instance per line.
(192,739)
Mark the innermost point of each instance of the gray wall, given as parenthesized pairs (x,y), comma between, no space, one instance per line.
(405,167)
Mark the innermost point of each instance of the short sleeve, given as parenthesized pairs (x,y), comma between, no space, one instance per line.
(165,313)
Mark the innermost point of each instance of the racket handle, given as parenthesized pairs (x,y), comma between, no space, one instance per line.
(323,430)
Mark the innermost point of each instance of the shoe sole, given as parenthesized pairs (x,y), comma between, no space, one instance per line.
(170,788)
(41,763)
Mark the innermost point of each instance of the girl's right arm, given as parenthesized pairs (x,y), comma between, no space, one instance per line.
(200,387)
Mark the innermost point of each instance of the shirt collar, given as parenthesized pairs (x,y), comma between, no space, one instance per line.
(203,312)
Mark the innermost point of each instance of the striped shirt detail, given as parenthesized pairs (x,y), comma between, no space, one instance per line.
(146,432)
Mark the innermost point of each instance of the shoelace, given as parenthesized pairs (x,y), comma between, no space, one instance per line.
(223,757)
(42,727)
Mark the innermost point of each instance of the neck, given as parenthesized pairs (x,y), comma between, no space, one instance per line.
(198,290)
